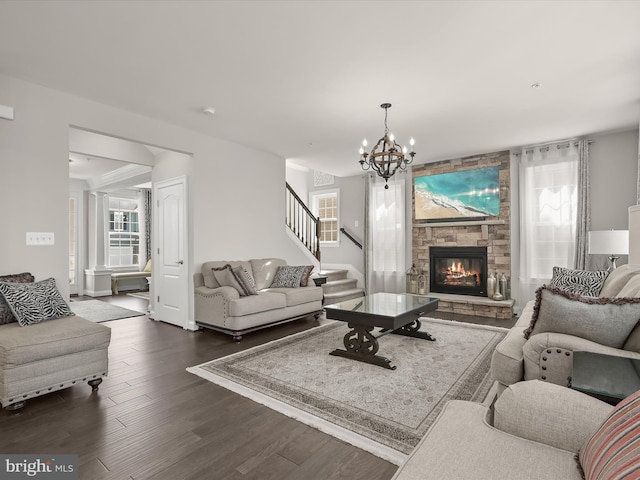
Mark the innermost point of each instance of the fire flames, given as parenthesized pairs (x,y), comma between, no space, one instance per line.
(456,274)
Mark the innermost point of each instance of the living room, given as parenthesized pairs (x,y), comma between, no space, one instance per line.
(235,188)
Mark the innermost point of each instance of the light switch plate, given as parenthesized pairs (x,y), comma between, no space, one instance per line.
(6,112)
(40,238)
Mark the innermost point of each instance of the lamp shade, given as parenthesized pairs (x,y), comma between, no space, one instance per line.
(609,242)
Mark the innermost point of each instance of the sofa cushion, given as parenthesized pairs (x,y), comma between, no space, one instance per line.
(207,272)
(631,289)
(6,316)
(617,279)
(52,339)
(582,282)
(288,276)
(613,452)
(35,302)
(298,296)
(632,343)
(262,302)
(264,269)
(607,321)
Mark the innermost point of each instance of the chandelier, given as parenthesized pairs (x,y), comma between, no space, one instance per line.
(386,156)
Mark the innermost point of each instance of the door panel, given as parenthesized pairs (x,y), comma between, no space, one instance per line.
(171,292)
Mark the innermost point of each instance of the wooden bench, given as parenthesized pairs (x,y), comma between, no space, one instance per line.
(116,277)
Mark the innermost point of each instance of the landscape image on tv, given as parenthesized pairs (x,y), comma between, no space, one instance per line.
(458,195)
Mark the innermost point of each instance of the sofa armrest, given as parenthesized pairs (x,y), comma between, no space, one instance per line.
(507,366)
(462,445)
(212,304)
(549,356)
(550,414)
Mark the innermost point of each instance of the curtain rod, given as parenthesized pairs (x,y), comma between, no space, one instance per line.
(544,147)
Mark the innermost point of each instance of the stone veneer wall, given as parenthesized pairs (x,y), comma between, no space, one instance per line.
(497,238)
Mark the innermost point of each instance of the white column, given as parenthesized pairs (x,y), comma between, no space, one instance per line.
(98,278)
(102,208)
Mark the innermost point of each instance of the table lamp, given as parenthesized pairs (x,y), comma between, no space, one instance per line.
(609,242)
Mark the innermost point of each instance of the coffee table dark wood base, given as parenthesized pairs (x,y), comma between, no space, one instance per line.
(361,345)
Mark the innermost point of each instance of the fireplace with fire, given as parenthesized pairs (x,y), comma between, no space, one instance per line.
(458,270)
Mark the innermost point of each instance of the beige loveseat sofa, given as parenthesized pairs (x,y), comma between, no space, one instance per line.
(533,431)
(548,356)
(229,310)
(50,355)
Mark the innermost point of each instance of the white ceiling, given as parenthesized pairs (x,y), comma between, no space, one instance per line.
(304,79)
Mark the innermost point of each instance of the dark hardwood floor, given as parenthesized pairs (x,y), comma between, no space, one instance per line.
(151,419)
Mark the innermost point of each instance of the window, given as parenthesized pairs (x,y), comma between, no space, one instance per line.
(387,226)
(548,191)
(124,232)
(324,205)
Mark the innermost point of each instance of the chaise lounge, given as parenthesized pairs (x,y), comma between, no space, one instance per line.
(39,353)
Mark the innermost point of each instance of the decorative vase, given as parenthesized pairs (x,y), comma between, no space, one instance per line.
(504,287)
(491,285)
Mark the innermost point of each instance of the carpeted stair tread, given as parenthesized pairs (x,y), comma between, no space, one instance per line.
(333,275)
(339,285)
(343,295)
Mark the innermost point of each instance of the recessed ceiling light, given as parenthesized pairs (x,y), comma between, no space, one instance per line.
(209,111)
(536,85)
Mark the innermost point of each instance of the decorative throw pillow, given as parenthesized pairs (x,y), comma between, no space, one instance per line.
(613,452)
(245,279)
(304,281)
(607,321)
(583,282)
(617,279)
(35,302)
(225,277)
(288,276)
(6,316)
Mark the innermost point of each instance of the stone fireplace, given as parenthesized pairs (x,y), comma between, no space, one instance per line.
(458,270)
(493,235)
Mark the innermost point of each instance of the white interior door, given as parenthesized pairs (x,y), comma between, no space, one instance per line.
(170,283)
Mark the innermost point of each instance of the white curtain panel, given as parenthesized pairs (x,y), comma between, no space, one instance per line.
(548,186)
(386,235)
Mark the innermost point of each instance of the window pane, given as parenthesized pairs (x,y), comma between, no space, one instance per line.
(326,209)
(124,228)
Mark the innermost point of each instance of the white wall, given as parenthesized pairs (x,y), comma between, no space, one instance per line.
(236,194)
(614,170)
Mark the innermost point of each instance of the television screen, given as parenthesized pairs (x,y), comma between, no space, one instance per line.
(458,195)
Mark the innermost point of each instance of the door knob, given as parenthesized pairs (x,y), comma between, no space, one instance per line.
(180,262)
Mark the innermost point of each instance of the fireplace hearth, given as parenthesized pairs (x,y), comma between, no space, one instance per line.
(458,270)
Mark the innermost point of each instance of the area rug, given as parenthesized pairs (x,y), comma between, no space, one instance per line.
(385,412)
(144,295)
(98,311)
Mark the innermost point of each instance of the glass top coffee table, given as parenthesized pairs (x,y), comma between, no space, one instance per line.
(607,377)
(396,313)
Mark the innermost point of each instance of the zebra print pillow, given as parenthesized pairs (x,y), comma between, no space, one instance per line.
(288,276)
(5,312)
(581,282)
(35,302)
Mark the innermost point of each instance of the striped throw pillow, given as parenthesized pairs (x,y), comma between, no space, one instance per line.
(613,453)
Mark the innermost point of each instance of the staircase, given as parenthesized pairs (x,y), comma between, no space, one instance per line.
(339,288)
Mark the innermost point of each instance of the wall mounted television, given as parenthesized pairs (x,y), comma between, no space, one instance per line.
(457,196)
